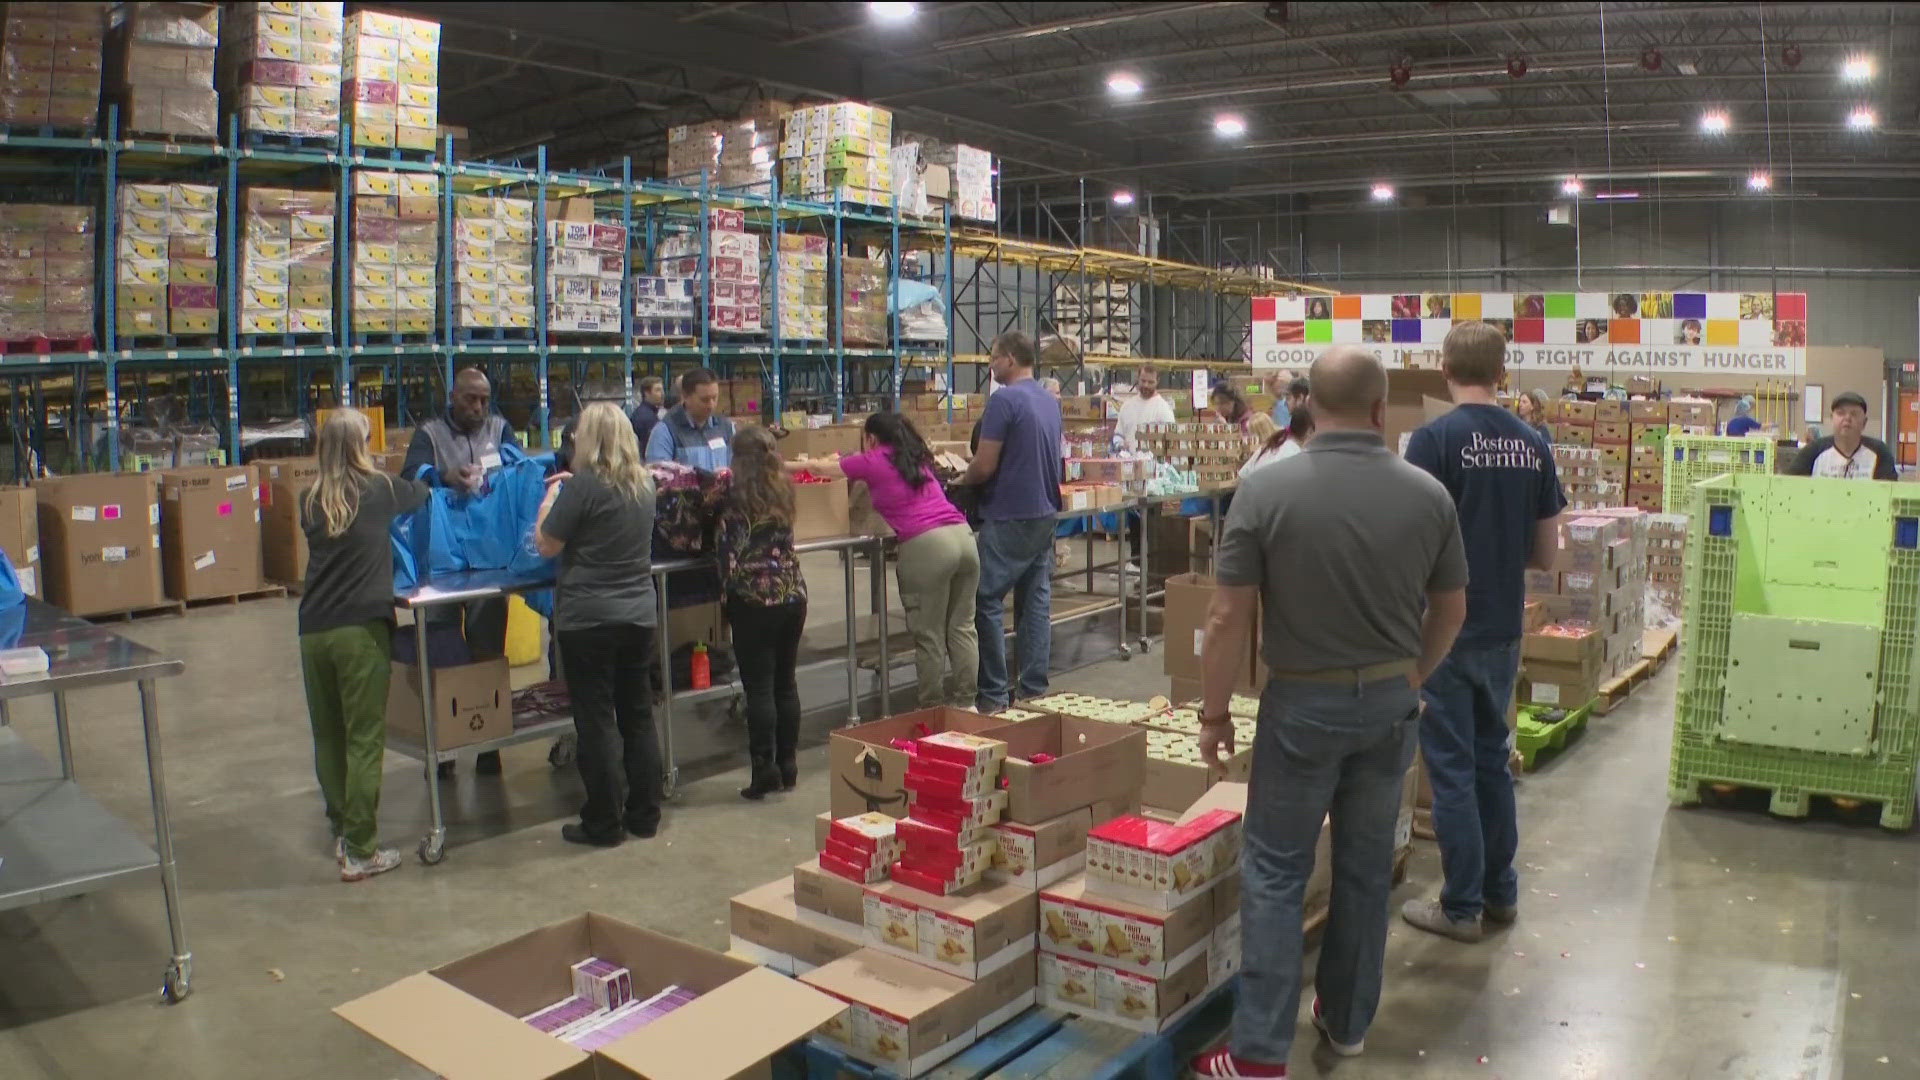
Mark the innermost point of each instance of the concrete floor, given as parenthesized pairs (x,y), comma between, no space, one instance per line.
(1653,943)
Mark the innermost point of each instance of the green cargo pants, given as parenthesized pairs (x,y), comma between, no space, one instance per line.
(346,671)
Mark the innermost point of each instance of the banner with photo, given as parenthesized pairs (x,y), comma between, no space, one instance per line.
(1675,333)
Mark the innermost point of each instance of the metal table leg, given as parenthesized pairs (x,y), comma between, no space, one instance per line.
(177,984)
(853,641)
(880,604)
(670,771)
(1120,593)
(1088,523)
(1146,560)
(433,846)
(63,733)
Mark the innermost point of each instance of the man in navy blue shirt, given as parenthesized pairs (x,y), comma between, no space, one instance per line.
(1501,476)
(1018,465)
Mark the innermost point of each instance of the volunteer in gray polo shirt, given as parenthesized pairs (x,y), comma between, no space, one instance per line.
(1353,558)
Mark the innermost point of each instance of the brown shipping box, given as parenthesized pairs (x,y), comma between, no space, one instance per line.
(1408,390)
(768,928)
(909,1017)
(1187,599)
(840,899)
(283,544)
(1092,762)
(821,511)
(209,532)
(819,442)
(20,536)
(869,775)
(100,541)
(471,703)
(461,1021)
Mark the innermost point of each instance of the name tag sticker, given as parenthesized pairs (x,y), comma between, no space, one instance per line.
(716,443)
(490,459)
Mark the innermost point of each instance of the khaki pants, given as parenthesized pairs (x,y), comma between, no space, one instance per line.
(938,573)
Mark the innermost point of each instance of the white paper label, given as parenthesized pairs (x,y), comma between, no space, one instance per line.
(33,554)
(716,443)
(1199,641)
(113,554)
(490,459)
(28,579)
(85,513)
(153,513)
(156,541)
(256,515)
(236,482)
(203,561)
(1546,694)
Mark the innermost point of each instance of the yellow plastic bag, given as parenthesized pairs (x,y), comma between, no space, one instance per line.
(525,639)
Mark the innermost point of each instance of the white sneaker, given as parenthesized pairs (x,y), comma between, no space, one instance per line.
(339,850)
(1352,1049)
(353,868)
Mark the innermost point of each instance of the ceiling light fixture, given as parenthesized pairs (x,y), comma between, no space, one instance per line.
(1760,181)
(1124,84)
(1383,193)
(1229,125)
(892,13)
(1857,69)
(1123,198)
(1572,186)
(1863,118)
(1715,122)
(1618,195)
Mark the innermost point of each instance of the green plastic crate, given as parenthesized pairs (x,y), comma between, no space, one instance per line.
(1799,642)
(1689,459)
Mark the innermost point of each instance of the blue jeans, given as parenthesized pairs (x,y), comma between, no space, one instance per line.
(1321,748)
(1016,555)
(1464,740)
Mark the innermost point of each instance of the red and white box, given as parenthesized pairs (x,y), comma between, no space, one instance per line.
(954,813)
(950,780)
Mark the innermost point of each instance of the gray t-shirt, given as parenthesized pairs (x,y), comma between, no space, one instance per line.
(604,577)
(1345,540)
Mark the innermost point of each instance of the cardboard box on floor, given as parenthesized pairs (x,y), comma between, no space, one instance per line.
(471,703)
(1187,598)
(283,543)
(100,541)
(20,536)
(209,532)
(1092,762)
(869,775)
(461,1020)
(767,927)
(821,511)
(1176,785)
(907,1016)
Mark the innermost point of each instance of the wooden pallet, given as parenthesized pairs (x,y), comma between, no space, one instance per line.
(1613,692)
(264,592)
(145,611)
(1658,646)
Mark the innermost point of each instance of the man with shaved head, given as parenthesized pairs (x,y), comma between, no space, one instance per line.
(460,447)
(1353,560)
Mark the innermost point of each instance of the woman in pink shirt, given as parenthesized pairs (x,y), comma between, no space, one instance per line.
(939,564)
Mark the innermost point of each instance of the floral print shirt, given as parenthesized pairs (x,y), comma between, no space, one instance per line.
(757,562)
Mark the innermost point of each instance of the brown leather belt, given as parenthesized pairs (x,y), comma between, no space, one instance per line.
(1370,673)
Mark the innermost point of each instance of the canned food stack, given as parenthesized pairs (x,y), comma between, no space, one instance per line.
(585,263)
(953,800)
(283,64)
(50,65)
(162,66)
(46,272)
(286,261)
(392,93)
(493,262)
(396,248)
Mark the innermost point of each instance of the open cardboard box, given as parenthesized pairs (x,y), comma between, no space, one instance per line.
(1188,596)
(461,1021)
(1092,762)
(869,775)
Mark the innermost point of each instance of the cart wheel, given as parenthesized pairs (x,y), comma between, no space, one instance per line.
(563,751)
(432,850)
(177,985)
(1143,646)
(1126,653)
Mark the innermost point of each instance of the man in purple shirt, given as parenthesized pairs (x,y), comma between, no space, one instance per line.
(1018,467)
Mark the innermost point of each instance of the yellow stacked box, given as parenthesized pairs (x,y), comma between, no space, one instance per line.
(396,245)
(283,67)
(286,262)
(391,65)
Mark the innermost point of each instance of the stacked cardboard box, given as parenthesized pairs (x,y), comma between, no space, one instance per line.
(909,172)
(392,91)
(1612,434)
(162,59)
(50,62)
(396,250)
(733,270)
(166,279)
(750,147)
(585,263)
(1583,477)
(799,280)
(46,272)
(664,308)
(1211,450)
(1571,421)
(863,301)
(1666,557)
(953,800)
(862,848)
(209,532)
(1561,664)
(839,152)
(286,262)
(970,171)
(1101,324)
(283,543)
(1646,431)
(1594,601)
(693,151)
(100,542)
(20,536)
(282,68)
(493,261)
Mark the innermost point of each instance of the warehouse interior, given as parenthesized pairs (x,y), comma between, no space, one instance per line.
(1221,191)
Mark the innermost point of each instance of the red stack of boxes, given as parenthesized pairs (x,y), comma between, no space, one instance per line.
(954,799)
(860,848)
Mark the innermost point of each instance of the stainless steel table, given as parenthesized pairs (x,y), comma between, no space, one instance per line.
(55,840)
(469,585)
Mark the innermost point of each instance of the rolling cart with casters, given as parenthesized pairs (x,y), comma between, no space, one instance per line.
(56,841)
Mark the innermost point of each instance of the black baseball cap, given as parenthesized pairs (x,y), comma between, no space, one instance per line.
(1848,398)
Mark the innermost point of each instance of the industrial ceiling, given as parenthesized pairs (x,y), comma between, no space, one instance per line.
(1432,101)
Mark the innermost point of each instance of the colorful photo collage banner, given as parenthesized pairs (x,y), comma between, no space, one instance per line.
(1720,320)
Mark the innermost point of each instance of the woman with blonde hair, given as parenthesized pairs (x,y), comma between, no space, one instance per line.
(346,633)
(598,520)
(766,604)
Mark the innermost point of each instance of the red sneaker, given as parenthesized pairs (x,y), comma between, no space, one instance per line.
(1222,1063)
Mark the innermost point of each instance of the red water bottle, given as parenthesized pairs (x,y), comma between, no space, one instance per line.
(702,668)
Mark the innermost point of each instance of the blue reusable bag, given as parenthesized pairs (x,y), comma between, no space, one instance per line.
(11,595)
(488,530)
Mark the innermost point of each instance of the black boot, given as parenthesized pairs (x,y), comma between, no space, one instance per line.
(789,773)
(766,779)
